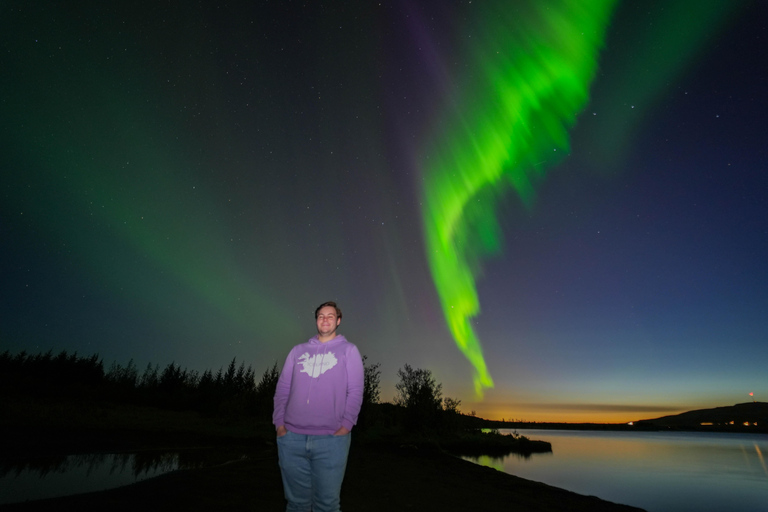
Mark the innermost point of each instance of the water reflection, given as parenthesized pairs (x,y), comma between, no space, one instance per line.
(136,464)
(497,461)
(761,458)
(55,476)
(657,471)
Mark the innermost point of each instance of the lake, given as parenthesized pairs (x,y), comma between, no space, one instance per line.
(657,471)
(51,477)
(72,474)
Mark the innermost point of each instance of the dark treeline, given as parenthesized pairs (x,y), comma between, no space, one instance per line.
(233,390)
(418,414)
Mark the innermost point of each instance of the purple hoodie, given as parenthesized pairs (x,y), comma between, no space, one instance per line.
(320,388)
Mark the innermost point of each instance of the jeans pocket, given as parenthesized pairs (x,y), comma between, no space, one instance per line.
(342,442)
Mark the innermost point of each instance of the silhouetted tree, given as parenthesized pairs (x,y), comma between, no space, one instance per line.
(127,377)
(451,415)
(229,376)
(265,392)
(48,376)
(268,383)
(371,395)
(150,379)
(72,377)
(123,382)
(372,376)
(451,405)
(421,396)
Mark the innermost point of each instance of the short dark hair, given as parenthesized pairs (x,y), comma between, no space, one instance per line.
(329,303)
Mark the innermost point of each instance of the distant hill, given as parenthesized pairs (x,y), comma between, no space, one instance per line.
(746,417)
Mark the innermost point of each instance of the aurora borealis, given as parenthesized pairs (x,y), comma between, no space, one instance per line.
(186,183)
(532,88)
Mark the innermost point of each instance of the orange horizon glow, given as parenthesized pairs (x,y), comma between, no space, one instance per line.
(557,415)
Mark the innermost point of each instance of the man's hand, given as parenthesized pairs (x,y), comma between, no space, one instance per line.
(281,431)
(341,432)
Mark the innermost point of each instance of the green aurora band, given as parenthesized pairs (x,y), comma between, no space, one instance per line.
(106,176)
(535,69)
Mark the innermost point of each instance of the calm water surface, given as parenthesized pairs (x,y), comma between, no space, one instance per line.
(39,478)
(657,471)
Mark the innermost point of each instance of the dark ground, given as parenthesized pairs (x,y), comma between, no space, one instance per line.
(378,479)
(381,476)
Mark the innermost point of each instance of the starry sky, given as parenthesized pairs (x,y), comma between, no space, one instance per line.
(187,182)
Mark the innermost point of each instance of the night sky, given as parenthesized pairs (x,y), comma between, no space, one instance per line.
(185,182)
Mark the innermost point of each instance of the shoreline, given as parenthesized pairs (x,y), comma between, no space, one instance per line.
(381,476)
(378,479)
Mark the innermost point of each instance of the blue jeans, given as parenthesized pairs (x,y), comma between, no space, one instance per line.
(313,469)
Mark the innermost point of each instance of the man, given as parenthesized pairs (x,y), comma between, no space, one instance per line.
(317,401)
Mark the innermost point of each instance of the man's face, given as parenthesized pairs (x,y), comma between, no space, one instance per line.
(327,321)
